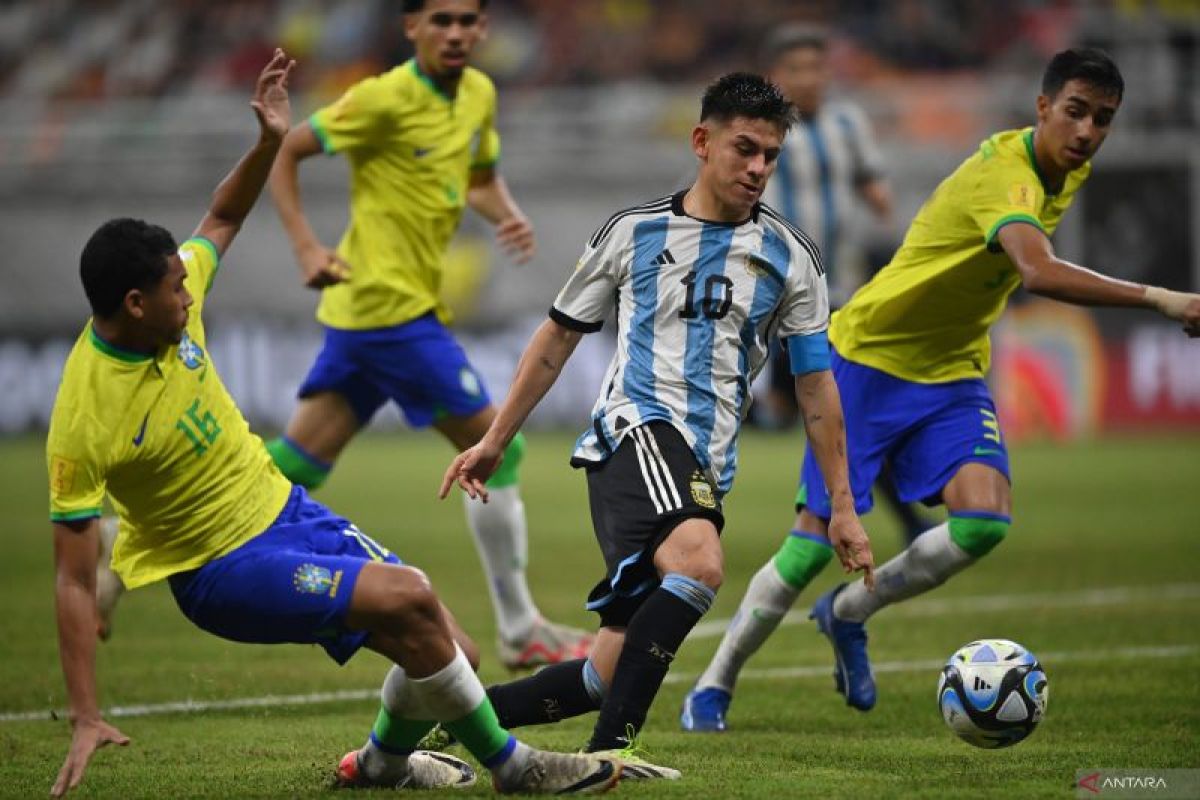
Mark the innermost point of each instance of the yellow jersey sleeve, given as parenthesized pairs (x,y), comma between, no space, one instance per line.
(77,474)
(1007,191)
(359,118)
(486,152)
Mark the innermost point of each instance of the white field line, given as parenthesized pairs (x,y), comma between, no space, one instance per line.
(936,607)
(919,608)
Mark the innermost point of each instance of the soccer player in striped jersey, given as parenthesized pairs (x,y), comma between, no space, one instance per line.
(911,352)
(700,281)
(421,143)
(142,418)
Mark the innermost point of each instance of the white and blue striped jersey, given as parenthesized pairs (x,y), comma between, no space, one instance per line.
(696,306)
(823,161)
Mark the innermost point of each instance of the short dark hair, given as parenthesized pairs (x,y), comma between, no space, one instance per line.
(786,38)
(1087,64)
(744,94)
(413,6)
(123,254)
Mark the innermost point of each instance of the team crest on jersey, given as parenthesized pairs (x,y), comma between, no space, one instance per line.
(190,353)
(756,264)
(312,579)
(702,492)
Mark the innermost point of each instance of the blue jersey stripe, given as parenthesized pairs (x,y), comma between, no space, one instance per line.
(767,294)
(698,357)
(649,238)
(829,220)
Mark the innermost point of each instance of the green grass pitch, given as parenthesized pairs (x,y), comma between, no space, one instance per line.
(1098,577)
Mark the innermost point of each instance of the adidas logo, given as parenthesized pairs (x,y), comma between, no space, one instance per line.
(981,685)
(663,258)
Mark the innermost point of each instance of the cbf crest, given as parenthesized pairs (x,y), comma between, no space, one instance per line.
(190,353)
(314,579)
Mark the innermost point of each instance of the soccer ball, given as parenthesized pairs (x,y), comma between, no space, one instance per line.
(992,693)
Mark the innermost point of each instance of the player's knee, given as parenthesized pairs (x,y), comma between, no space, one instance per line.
(409,600)
(509,472)
(697,593)
(978,533)
(297,465)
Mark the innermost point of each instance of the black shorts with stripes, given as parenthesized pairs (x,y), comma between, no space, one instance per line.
(638,496)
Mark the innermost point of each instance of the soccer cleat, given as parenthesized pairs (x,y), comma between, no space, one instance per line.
(632,759)
(109,586)
(852,669)
(704,710)
(547,643)
(562,773)
(425,771)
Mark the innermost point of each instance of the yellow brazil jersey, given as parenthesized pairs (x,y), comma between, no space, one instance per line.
(925,316)
(161,436)
(411,150)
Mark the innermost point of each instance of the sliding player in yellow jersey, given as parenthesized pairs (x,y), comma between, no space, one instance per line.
(911,350)
(143,419)
(421,144)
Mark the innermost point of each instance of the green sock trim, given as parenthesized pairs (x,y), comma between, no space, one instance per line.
(801,559)
(802,495)
(296,465)
(977,535)
(397,732)
(508,474)
(480,731)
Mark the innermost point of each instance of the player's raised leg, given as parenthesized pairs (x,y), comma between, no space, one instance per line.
(772,592)
(525,638)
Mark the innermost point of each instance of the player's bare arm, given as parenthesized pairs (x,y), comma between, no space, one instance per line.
(539,367)
(75,551)
(1044,273)
(488,196)
(320,266)
(239,190)
(821,410)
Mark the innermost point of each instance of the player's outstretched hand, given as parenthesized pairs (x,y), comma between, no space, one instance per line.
(515,237)
(853,549)
(321,266)
(1180,306)
(471,469)
(87,738)
(1191,317)
(270,101)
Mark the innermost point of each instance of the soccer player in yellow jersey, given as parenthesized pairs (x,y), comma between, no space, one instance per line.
(143,418)
(422,144)
(911,351)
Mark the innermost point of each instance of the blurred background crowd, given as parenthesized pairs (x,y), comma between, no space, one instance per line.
(135,107)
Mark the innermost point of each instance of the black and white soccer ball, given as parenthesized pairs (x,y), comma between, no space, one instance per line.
(992,693)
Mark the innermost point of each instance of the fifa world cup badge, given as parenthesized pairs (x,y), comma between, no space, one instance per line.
(702,491)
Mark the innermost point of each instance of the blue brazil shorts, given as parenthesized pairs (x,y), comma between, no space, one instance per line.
(291,583)
(418,364)
(925,431)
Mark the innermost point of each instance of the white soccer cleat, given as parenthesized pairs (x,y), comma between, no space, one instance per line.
(562,773)
(547,643)
(109,587)
(636,768)
(425,771)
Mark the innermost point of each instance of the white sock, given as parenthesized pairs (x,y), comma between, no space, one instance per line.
(928,562)
(503,544)
(447,695)
(767,599)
